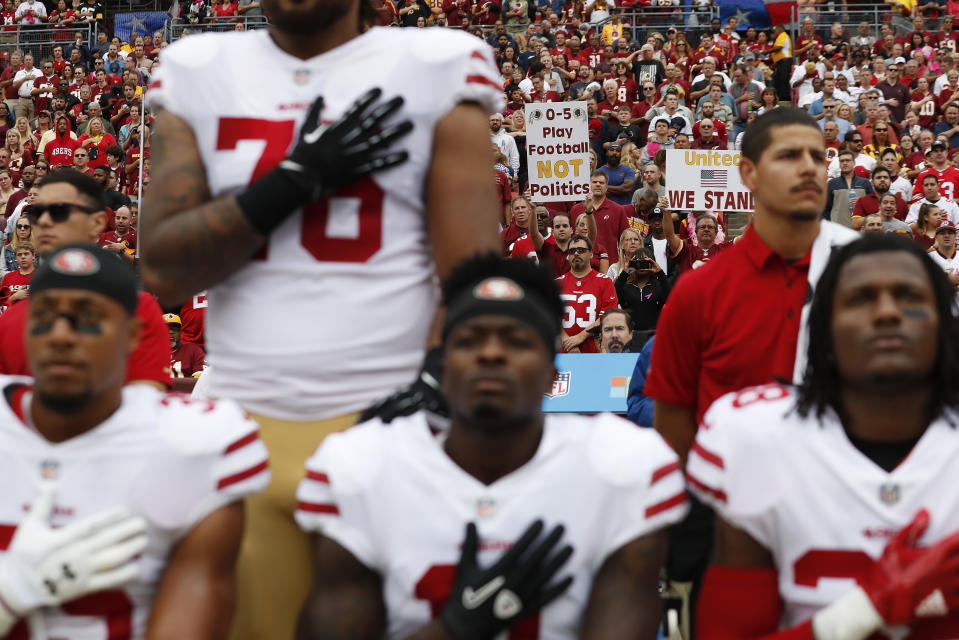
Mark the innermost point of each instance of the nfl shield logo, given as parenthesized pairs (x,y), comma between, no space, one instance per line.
(301,76)
(49,469)
(560,385)
(889,493)
(485,507)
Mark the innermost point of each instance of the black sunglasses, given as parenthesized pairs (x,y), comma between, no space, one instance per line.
(59,211)
(23,226)
(577,250)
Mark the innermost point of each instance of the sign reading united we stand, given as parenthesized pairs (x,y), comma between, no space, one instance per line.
(699,180)
(557,149)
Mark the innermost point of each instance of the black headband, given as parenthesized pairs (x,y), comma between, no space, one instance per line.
(504,297)
(87,266)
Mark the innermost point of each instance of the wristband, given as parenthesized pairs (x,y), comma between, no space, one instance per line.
(851,617)
(269,201)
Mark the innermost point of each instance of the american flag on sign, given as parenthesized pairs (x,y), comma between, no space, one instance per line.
(712,178)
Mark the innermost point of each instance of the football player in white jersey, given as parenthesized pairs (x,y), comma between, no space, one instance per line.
(317,215)
(389,503)
(837,509)
(92,449)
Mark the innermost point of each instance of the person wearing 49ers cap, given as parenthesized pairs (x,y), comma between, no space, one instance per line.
(69,208)
(512,520)
(137,494)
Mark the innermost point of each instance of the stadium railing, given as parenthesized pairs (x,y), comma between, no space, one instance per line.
(39,41)
(174,28)
(850,15)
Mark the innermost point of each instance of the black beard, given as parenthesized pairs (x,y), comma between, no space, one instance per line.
(65,405)
(304,23)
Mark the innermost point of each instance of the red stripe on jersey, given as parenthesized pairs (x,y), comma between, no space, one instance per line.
(156,84)
(702,486)
(480,56)
(243,475)
(315,507)
(664,471)
(318,476)
(242,442)
(708,455)
(478,79)
(666,505)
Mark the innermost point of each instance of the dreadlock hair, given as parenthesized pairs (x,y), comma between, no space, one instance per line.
(820,386)
(536,279)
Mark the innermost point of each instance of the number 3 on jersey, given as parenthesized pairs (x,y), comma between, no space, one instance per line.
(354,214)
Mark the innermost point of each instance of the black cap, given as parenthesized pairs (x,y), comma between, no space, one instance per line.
(657,212)
(939,143)
(87,266)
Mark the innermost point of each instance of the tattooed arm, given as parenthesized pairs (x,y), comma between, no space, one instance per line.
(625,602)
(188,240)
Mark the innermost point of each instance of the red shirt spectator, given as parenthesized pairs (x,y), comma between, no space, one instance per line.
(586,294)
(149,361)
(15,281)
(193,315)
(59,151)
(611,218)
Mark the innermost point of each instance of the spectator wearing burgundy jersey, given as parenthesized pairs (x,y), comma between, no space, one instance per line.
(15,285)
(611,217)
(59,150)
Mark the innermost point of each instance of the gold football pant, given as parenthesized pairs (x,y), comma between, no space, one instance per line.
(275,569)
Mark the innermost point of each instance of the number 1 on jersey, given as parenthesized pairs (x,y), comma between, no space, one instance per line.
(356,211)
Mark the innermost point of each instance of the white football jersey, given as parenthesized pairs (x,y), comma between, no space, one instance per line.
(336,312)
(168,459)
(822,508)
(391,496)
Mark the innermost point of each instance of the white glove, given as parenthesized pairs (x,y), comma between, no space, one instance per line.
(45,567)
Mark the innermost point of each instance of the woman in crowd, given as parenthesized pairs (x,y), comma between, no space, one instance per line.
(924,104)
(19,156)
(629,241)
(96,139)
(767,100)
(844,111)
(924,228)
(26,136)
(631,157)
(22,232)
(642,289)
(680,53)
(517,129)
(6,118)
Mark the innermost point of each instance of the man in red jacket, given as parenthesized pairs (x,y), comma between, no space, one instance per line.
(59,151)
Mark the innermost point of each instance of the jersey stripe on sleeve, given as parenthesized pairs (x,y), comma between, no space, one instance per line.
(708,455)
(667,504)
(664,471)
(240,476)
(317,476)
(701,487)
(480,79)
(249,438)
(316,507)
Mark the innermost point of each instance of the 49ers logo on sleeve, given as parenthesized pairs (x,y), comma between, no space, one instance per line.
(498,289)
(76,262)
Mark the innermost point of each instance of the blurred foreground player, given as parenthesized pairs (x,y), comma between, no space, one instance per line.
(390,502)
(70,208)
(836,509)
(306,194)
(94,450)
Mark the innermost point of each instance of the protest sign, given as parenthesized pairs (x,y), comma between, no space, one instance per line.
(699,180)
(557,151)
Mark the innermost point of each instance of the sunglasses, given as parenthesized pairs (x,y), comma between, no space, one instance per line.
(23,226)
(59,211)
(577,250)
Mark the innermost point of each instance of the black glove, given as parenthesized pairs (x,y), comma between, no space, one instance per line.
(485,602)
(325,158)
(424,393)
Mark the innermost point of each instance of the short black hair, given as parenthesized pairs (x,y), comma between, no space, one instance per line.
(759,134)
(880,169)
(578,237)
(820,387)
(87,187)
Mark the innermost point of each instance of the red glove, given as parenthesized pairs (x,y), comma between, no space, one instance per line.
(909,582)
